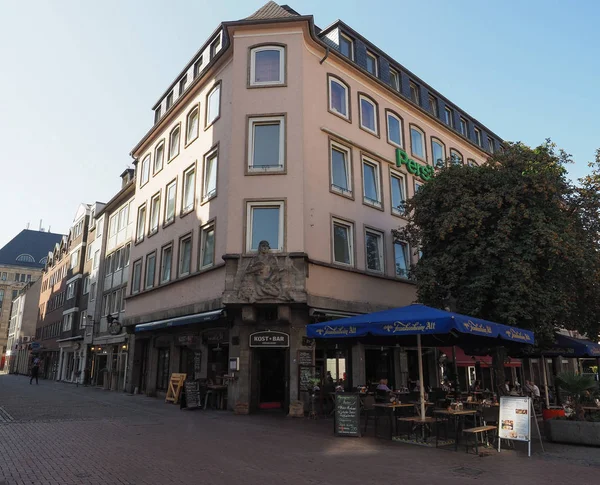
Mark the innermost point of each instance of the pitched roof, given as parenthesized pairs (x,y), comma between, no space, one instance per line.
(271,10)
(28,248)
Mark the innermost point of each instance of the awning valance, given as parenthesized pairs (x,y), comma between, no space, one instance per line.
(180,321)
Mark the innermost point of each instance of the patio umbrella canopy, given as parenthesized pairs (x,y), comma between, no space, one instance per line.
(438,327)
(565,346)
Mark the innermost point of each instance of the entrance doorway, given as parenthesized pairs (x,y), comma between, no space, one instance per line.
(271,378)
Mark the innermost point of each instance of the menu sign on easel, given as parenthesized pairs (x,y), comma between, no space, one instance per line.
(515,418)
(347,414)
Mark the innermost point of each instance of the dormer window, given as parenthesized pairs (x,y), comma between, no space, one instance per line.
(169,100)
(157,114)
(215,47)
(347,46)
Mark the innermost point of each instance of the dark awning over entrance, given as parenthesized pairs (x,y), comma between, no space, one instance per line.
(180,321)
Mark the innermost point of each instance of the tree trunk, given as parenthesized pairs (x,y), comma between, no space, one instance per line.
(498,358)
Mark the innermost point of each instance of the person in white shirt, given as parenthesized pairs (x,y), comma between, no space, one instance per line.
(535,390)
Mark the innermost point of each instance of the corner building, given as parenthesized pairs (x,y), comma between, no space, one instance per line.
(266,195)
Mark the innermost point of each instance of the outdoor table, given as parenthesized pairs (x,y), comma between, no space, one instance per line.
(417,422)
(392,407)
(459,417)
(591,409)
(417,405)
(218,390)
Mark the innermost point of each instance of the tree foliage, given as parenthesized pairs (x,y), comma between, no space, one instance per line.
(512,241)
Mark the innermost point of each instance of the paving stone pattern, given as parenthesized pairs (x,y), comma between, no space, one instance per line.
(59,434)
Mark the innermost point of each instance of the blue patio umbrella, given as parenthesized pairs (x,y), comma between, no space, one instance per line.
(417,320)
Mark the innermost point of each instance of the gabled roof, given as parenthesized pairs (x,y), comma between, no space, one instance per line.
(271,10)
(28,248)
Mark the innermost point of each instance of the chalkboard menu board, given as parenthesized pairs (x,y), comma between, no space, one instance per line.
(192,395)
(306,373)
(347,414)
(305,357)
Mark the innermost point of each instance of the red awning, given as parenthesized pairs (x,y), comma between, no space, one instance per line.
(464,360)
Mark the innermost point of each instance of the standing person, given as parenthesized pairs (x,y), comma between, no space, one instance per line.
(35,371)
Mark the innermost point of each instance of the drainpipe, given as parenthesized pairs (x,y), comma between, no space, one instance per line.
(326,56)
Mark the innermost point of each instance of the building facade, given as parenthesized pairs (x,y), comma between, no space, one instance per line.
(110,250)
(60,326)
(21,262)
(266,197)
(21,331)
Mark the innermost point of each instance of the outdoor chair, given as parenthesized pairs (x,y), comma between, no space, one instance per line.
(368,409)
(381,396)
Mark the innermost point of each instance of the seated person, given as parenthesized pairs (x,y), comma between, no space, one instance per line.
(383,385)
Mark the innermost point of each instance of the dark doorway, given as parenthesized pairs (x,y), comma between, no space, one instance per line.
(272,378)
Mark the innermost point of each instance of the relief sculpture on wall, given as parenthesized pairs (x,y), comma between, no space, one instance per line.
(265,277)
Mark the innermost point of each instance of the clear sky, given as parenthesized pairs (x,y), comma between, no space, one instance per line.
(78,79)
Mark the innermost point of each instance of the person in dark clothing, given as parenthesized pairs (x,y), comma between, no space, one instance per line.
(35,371)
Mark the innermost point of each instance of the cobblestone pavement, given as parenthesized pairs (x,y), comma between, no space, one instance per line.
(59,434)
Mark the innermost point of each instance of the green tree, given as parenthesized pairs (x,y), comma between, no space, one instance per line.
(512,241)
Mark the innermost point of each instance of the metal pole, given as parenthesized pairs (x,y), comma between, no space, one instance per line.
(421,385)
(455,366)
(545,382)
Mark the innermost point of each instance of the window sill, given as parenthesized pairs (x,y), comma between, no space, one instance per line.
(152,233)
(340,115)
(173,158)
(188,143)
(155,173)
(212,122)
(369,131)
(209,198)
(265,171)
(168,223)
(137,241)
(373,204)
(347,194)
(186,212)
(253,85)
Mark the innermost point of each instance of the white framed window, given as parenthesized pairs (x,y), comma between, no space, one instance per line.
(67,322)
(368,114)
(471,162)
(449,116)
(372,61)
(189,190)
(401,259)
(192,125)
(207,246)
(74,261)
(159,157)
(339,99)
(398,190)
(170,201)
(394,129)
(213,105)
(438,153)
(150,269)
(166,262)
(185,255)
(141,225)
(463,127)
(86,285)
(455,157)
(112,225)
(174,142)
(341,171)
(477,132)
(374,250)
(97,258)
(92,291)
(265,222)
(136,281)
(267,65)
(266,144)
(347,46)
(418,186)
(371,183)
(209,186)
(145,171)
(154,213)
(433,106)
(414,93)
(123,218)
(343,242)
(82,320)
(395,79)
(491,147)
(71,290)
(417,142)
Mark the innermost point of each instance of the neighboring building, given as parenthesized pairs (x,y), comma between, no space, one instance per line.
(21,262)
(266,195)
(108,276)
(60,328)
(22,327)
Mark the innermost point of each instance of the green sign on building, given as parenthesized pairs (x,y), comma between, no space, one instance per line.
(424,172)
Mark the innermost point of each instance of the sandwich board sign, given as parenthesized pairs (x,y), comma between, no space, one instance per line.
(514,423)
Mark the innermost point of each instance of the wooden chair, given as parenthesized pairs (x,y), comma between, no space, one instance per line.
(368,409)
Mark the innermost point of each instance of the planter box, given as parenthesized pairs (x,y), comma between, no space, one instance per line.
(575,432)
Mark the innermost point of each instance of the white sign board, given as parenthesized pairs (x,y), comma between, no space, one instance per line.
(515,418)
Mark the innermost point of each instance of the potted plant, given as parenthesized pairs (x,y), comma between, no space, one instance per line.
(574,427)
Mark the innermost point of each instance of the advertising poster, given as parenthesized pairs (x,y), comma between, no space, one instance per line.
(515,418)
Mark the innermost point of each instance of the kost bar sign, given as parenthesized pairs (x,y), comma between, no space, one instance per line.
(424,172)
(270,339)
